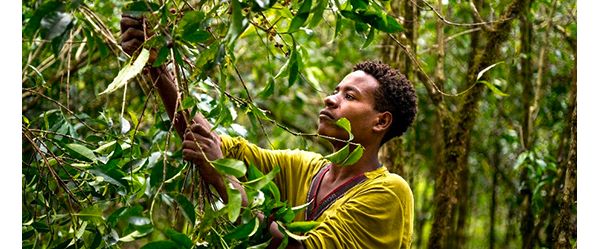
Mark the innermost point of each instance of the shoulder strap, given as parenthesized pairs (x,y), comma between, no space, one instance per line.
(314,210)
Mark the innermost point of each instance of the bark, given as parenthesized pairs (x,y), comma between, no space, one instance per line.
(566,228)
(464,202)
(456,141)
(525,75)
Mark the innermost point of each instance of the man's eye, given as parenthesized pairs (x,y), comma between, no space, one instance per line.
(349,97)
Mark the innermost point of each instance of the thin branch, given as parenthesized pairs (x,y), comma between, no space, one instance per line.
(64,107)
(441,17)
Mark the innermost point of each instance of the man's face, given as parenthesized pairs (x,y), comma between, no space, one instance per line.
(353,99)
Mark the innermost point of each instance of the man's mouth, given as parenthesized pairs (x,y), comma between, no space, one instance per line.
(326,114)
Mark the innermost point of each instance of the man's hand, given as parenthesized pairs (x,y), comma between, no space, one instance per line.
(201,145)
(132,33)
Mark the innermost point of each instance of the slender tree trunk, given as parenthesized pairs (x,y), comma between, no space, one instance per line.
(456,141)
(564,232)
(464,201)
(566,229)
(525,76)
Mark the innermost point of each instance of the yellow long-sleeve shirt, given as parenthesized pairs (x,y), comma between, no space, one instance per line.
(376,213)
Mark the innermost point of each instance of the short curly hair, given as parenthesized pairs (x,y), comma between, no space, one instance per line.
(395,94)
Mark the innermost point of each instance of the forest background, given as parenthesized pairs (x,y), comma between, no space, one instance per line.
(505,178)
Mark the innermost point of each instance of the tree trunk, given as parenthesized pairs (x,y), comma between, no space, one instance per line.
(566,228)
(456,141)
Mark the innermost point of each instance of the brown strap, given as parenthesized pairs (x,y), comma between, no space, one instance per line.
(315,210)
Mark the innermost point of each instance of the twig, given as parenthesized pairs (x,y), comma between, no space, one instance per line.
(459,24)
(62,106)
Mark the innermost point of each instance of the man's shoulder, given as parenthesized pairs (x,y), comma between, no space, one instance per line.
(393,183)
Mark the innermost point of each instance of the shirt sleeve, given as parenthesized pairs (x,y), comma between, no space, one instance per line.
(296,167)
(379,217)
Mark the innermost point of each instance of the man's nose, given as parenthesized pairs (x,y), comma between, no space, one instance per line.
(331,101)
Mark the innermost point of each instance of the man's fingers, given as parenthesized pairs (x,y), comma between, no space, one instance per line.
(131,34)
(131,22)
(192,155)
(131,46)
(201,129)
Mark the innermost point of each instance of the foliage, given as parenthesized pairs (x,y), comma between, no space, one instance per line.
(105,170)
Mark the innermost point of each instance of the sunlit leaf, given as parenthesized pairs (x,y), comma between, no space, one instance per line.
(238,22)
(128,71)
(292,235)
(234,203)
(480,74)
(81,152)
(262,181)
(493,88)
(354,156)
(302,226)
(300,18)
(345,124)
(229,166)
(55,24)
(243,230)
(339,156)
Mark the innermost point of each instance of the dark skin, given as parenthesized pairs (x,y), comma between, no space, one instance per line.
(353,99)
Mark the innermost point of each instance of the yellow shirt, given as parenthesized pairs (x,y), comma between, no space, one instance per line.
(377,213)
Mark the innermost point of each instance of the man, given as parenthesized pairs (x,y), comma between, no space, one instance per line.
(360,205)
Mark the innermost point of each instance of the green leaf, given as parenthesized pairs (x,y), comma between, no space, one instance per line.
(43,10)
(55,24)
(317,15)
(292,235)
(230,166)
(81,152)
(269,88)
(136,234)
(238,23)
(81,230)
(300,18)
(243,231)
(92,213)
(370,37)
(359,4)
(260,246)
(354,156)
(294,68)
(187,208)
(302,226)
(161,244)
(191,28)
(113,176)
(163,53)
(494,89)
(339,156)
(128,71)
(262,181)
(480,74)
(285,214)
(179,238)
(234,203)
(345,124)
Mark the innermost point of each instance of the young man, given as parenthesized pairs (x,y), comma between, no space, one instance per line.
(360,205)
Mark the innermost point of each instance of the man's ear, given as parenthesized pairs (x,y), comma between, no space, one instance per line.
(383,122)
